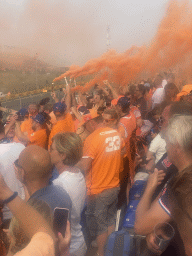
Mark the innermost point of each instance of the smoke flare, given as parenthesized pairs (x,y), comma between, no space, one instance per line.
(170,49)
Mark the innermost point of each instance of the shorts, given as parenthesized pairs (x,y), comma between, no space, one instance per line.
(101,211)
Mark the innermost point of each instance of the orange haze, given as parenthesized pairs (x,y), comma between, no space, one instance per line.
(170,48)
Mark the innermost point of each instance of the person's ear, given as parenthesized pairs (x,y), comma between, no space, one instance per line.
(63,156)
(22,176)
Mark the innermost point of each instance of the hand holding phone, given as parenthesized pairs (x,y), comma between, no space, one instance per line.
(60,218)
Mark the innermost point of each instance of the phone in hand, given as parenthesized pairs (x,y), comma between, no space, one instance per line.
(60,218)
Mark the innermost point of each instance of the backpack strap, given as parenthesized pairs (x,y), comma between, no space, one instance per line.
(126,244)
(110,244)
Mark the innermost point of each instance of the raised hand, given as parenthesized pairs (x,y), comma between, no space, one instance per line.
(155,179)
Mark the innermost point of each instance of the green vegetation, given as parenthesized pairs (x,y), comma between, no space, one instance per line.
(22,84)
(17,81)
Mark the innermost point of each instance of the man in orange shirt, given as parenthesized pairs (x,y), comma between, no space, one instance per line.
(38,136)
(26,126)
(101,163)
(127,128)
(64,120)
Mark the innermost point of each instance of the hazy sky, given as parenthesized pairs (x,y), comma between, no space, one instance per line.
(73,31)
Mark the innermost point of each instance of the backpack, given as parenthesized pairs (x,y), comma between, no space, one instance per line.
(120,243)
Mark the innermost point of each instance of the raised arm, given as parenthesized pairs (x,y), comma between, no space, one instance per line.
(68,97)
(82,99)
(148,214)
(115,94)
(31,221)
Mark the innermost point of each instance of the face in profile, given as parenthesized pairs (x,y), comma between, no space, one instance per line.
(32,109)
(56,157)
(11,133)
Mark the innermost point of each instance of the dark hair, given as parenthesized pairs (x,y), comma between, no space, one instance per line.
(180,108)
(44,101)
(124,103)
(112,112)
(47,116)
(100,110)
(89,98)
(171,86)
(97,119)
(158,81)
(132,89)
(89,105)
(141,88)
(49,107)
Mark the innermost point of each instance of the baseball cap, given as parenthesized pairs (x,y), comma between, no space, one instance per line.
(83,110)
(124,102)
(39,118)
(59,106)
(114,101)
(22,112)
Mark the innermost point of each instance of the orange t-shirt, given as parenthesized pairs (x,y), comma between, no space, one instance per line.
(93,112)
(38,138)
(26,126)
(65,125)
(127,128)
(104,147)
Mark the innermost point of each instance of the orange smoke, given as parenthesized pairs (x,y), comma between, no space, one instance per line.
(170,48)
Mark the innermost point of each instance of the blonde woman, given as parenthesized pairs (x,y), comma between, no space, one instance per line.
(66,151)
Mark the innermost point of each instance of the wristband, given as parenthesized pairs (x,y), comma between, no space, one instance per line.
(8,200)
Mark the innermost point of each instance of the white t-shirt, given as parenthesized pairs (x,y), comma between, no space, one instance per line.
(146,127)
(10,152)
(74,184)
(158,97)
(158,147)
(164,82)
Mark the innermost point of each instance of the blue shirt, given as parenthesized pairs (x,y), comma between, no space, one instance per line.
(54,196)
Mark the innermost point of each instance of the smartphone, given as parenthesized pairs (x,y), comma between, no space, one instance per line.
(60,218)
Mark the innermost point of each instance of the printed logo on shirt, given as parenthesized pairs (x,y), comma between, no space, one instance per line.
(107,132)
(113,143)
(166,163)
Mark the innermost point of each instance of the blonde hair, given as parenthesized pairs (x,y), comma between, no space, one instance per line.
(70,144)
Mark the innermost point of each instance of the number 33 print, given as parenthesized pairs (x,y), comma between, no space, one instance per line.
(113,143)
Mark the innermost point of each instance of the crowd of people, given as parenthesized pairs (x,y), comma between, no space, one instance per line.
(81,152)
